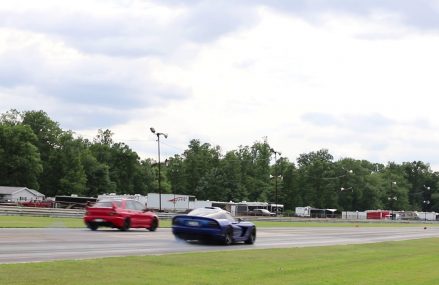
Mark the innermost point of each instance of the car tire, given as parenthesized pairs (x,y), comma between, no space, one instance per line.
(126,225)
(252,237)
(92,226)
(154,225)
(228,238)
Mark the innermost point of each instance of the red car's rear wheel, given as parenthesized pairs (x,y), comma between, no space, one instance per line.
(92,226)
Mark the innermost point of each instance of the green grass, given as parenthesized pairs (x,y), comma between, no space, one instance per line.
(39,222)
(269,224)
(406,262)
(46,222)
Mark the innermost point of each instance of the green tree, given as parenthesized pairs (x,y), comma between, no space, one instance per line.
(395,187)
(176,175)
(126,172)
(11,117)
(288,189)
(199,159)
(419,178)
(97,175)
(148,176)
(20,163)
(65,169)
(48,133)
(234,188)
(317,178)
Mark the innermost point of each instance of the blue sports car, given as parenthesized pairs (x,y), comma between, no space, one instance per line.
(212,224)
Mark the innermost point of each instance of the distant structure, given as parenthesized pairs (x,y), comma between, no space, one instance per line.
(10,194)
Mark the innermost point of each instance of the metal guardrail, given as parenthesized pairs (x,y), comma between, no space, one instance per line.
(79,213)
(54,212)
(41,212)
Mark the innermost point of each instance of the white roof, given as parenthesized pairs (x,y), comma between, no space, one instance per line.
(8,190)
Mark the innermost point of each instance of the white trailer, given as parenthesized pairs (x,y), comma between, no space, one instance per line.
(140,198)
(175,202)
(303,211)
(427,216)
(346,215)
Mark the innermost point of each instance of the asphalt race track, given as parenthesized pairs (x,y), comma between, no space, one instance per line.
(33,245)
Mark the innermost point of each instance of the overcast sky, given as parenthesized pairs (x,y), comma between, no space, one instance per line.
(358,78)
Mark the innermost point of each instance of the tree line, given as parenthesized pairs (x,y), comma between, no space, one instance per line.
(36,153)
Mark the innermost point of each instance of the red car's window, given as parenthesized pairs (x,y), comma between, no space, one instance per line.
(107,204)
(139,206)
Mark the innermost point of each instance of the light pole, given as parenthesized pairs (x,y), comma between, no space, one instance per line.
(426,203)
(275,175)
(392,198)
(346,189)
(158,148)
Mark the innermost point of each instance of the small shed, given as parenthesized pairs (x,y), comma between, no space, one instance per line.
(19,194)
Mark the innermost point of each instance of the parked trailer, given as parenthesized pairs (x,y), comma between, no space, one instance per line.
(378,215)
(174,202)
(73,202)
(303,211)
(427,216)
(139,198)
(350,215)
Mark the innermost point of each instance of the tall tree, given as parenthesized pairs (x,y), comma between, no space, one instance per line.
(235,189)
(288,189)
(48,133)
(315,175)
(418,176)
(20,163)
(66,172)
(11,117)
(97,174)
(199,160)
(176,175)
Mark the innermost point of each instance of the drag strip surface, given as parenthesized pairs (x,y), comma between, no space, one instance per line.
(32,245)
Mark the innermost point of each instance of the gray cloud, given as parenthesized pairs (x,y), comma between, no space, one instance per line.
(208,20)
(139,34)
(320,119)
(85,117)
(364,123)
(422,14)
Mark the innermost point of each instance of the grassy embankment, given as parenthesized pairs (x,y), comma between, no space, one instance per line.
(46,222)
(407,262)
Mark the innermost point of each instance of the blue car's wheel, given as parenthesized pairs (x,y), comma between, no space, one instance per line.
(228,238)
(252,237)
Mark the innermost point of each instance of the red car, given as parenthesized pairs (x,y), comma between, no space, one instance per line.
(122,214)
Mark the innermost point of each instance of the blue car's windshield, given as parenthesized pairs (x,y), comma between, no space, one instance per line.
(214,213)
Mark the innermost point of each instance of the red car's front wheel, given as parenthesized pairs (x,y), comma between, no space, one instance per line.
(126,225)
(154,225)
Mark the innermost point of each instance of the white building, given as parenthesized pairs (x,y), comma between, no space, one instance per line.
(19,194)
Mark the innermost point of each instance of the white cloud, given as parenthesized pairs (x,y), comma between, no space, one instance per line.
(258,82)
(228,75)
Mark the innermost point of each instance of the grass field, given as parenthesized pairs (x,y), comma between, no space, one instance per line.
(406,262)
(412,262)
(46,222)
